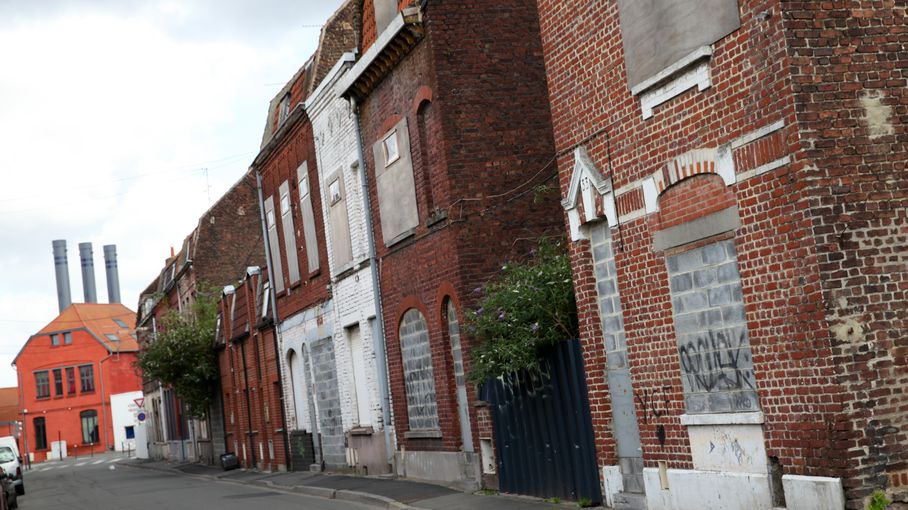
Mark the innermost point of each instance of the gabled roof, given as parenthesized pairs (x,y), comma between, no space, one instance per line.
(100,320)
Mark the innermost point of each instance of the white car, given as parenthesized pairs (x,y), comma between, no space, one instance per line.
(9,461)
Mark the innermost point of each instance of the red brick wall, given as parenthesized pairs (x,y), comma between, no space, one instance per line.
(250,383)
(592,106)
(848,65)
(482,144)
(297,146)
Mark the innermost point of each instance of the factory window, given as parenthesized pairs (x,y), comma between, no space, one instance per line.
(87,378)
(42,384)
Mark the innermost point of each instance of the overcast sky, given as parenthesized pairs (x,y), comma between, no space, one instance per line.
(109,113)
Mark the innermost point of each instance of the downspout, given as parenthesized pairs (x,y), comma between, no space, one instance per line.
(249,433)
(276,321)
(103,402)
(378,339)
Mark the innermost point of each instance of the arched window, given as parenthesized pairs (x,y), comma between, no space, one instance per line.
(418,374)
(89,426)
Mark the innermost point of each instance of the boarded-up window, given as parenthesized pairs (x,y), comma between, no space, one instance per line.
(418,374)
(396,187)
(658,33)
(306,211)
(342,249)
(274,245)
(293,264)
(384,13)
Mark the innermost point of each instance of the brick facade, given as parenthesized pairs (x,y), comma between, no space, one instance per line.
(784,150)
(471,98)
(249,383)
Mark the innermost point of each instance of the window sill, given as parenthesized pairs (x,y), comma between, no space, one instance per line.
(755,418)
(423,434)
(692,70)
(362,431)
(407,234)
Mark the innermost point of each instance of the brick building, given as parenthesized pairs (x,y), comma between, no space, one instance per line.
(250,383)
(68,372)
(291,199)
(456,132)
(225,242)
(733,175)
(358,338)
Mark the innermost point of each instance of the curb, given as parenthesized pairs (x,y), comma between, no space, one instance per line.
(363,498)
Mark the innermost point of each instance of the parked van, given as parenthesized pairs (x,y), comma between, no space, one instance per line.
(11,462)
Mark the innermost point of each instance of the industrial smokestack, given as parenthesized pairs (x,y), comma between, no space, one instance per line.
(113,275)
(61,267)
(88,273)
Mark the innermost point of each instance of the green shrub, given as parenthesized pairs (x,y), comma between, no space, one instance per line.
(528,305)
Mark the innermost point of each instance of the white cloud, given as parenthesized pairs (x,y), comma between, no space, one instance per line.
(107,119)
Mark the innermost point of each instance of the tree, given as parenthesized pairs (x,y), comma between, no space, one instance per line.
(182,355)
(529,305)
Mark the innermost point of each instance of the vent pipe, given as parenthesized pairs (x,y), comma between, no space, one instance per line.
(113,274)
(88,273)
(61,267)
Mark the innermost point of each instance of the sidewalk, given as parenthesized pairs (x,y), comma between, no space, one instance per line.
(374,491)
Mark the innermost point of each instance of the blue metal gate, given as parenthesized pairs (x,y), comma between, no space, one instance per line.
(543,429)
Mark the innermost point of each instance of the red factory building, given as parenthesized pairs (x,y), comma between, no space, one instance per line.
(69,370)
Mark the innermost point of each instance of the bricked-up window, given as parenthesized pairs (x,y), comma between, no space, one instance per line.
(70,381)
(308,215)
(58,382)
(341,247)
(42,384)
(87,378)
(89,426)
(714,349)
(40,433)
(293,264)
(396,186)
(274,245)
(418,374)
(463,410)
(659,33)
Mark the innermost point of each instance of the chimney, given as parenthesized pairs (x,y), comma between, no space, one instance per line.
(113,274)
(61,267)
(88,273)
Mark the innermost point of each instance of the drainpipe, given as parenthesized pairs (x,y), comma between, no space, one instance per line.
(378,339)
(103,402)
(276,321)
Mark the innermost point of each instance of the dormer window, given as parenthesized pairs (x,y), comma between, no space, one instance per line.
(284,111)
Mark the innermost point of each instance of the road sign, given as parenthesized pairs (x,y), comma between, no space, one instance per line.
(140,416)
(140,402)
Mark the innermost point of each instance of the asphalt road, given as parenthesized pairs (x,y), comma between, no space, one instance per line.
(101,484)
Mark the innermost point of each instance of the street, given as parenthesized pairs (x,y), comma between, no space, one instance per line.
(102,483)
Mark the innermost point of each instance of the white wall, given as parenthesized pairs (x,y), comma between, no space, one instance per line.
(334,126)
(122,406)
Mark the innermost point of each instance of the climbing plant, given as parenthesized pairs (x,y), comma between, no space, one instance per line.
(529,305)
(182,354)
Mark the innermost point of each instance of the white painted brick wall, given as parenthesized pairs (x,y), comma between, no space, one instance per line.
(333,122)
